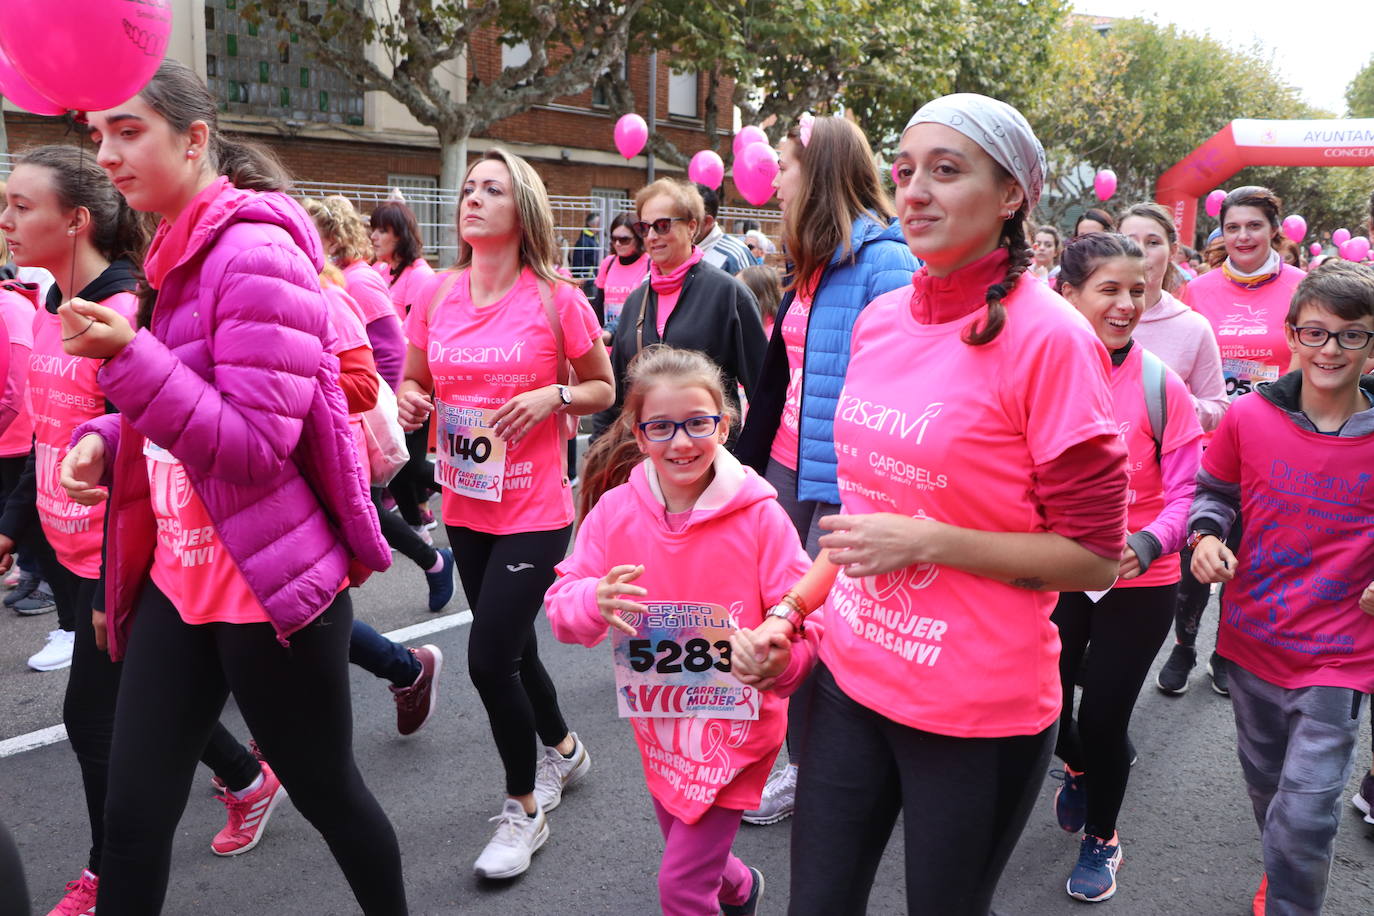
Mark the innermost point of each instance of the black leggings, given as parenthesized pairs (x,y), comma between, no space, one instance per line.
(295,701)
(966,802)
(504,577)
(29,542)
(14,892)
(401,536)
(411,485)
(88,708)
(1125,630)
(1193,595)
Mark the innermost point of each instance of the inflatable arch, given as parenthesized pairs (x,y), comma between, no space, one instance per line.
(1250,142)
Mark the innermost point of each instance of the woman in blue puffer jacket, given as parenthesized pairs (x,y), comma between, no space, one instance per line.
(844,250)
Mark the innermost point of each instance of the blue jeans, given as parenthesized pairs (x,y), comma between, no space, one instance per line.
(374,653)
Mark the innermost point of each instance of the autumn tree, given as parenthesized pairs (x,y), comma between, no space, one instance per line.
(1359,95)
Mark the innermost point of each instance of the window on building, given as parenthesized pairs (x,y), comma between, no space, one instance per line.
(422,196)
(682,95)
(263,70)
(600,98)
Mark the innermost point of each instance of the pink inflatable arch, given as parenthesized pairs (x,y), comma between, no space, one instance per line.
(1251,142)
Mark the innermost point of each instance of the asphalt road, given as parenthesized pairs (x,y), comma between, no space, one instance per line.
(1190,841)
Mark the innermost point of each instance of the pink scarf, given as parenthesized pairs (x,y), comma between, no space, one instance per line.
(664,284)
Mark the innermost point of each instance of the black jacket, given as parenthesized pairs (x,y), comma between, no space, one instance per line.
(715,314)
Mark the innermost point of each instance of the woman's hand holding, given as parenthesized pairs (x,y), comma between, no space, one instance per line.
(758,657)
(1130,565)
(523,412)
(413,407)
(610,601)
(1213,561)
(881,542)
(1367,599)
(82,469)
(93,330)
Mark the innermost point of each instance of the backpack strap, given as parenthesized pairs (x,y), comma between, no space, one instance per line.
(1153,378)
(551,313)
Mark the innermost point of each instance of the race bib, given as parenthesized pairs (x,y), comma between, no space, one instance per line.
(471,457)
(1242,375)
(678,666)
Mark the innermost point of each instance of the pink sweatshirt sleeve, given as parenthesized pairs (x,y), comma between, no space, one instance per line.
(571,601)
(1206,383)
(1179,471)
(782,562)
(16,375)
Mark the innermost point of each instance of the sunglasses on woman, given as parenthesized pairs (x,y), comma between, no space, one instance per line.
(662,226)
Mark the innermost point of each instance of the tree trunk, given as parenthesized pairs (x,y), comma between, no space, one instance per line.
(453,154)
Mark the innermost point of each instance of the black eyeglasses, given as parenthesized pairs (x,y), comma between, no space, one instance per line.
(664,430)
(1351,339)
(662,226)
(622,239)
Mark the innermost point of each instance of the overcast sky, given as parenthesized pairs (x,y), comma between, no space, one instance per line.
(1318,47)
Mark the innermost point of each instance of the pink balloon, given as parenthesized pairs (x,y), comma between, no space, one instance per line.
(1340,237)
(755,170)
(745,137)
(1214,201)
(13,87)
(1295,228)
(706,168)
(1355,249)
(1315,248)
(631,133)
(1104,184)
(86,54)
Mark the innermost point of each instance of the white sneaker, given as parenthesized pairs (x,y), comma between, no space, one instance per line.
(517,837)
(56,654)
(555,773)
(779,798)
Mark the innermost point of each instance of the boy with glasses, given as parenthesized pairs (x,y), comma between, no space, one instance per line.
(1297,617)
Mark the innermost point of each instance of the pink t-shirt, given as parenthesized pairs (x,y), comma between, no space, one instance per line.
(190,565)
(928,426)
(17,312)
(666,303)
(618,281)
(785,441)
(412,287)
(736,549)
(63,394)
(483,357)
(1249,325)
(1292,615)
(368,289)
(1145,498)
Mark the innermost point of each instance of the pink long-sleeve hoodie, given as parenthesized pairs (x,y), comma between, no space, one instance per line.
(737,549)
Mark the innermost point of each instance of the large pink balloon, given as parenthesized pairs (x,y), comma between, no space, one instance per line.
(1315,248)
(86,54)
(1104,184)
(1340,237)
(746,136)
(631,133)
(706,168)
(13,87)
(755,170)
(1355,249)
(1294,228)
(1214,201)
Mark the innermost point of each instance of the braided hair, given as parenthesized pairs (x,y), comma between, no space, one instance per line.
(1014,240)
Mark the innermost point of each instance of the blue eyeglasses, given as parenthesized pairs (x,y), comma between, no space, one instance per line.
(696,427)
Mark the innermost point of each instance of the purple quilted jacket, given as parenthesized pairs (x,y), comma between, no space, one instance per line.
(234,378)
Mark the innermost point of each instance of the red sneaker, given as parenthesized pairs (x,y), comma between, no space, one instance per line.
(80,897)
(1257,905)
(416,702)
(248,816)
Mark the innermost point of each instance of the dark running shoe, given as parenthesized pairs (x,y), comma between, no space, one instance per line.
(1221,678)
(751,906)
(1173,677)
(1071,800)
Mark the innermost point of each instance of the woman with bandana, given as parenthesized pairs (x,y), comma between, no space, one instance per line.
(980,472)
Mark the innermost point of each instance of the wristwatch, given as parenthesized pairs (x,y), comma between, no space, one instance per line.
(1196,538)
(788,610)
(564,395)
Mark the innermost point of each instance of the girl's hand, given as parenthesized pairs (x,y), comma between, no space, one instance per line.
(1213,561)
(609,600)
(881,542)
(413,407)
(1367,599)
(523,412)
(93,330)
(1130,565)
(82,469)
(759,657)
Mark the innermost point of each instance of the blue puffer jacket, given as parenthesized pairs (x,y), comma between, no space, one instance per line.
(880,262)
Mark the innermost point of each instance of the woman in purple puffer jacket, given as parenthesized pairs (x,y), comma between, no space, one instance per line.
(238,513)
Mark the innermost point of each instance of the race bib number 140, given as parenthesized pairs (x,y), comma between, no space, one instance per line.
(678,665)
(472,458)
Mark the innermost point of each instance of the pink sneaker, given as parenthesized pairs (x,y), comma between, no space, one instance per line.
(248,816)
(80,897)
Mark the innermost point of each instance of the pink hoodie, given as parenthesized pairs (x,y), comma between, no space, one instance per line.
(739,550)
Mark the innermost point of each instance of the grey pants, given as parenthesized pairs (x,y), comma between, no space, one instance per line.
(1296,748)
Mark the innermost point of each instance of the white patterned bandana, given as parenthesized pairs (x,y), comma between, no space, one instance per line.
(1001,131)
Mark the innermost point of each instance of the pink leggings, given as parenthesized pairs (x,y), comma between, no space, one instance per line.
(699,873)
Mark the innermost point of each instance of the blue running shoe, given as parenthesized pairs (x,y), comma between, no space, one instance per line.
(1094,877)
(1071,800)
(441,582)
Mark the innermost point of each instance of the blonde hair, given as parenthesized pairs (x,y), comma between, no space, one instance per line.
(682,193)
(341,228)
(616,453)
(538,241)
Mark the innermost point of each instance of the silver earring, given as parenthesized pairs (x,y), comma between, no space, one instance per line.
(190,154)
(71,232)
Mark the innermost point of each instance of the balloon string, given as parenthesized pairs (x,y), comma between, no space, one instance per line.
(80,195)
